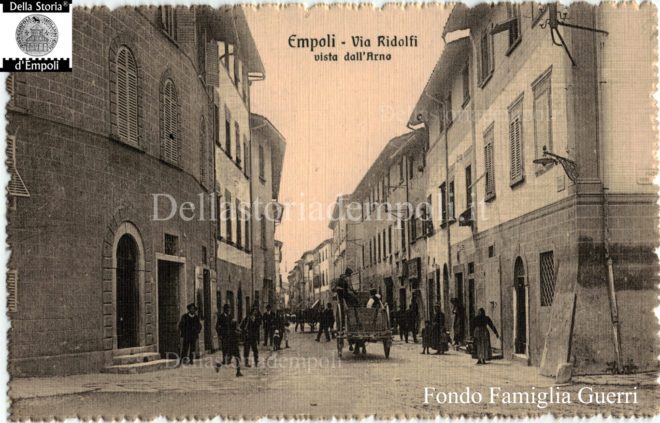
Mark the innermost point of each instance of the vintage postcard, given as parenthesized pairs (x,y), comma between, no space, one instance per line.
(334,211)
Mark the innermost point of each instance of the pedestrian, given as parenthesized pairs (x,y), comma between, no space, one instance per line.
(189,328)
(286,332)
(401,319)
(222,328)
(277,340)
(459,321)
(344,289)
(440,340)
(482,336)
(300,320)
(374,299)
(326,320)
(268,321)
(230,348)
(426,337)
(250,329)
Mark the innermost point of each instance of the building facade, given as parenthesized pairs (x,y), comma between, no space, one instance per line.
(101,158)
(268,148)
(392,226)
(532,237)
(238,61)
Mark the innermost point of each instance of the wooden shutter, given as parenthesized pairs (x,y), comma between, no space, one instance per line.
(489,163)
(10,87)
(170,141)
(16,185)
(127,97)
(515,141)
(202,151)
(12,291)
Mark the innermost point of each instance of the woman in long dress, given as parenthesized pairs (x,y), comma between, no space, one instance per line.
(459,321)
(482,336)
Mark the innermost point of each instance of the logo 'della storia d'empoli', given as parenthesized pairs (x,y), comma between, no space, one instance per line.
(36,35)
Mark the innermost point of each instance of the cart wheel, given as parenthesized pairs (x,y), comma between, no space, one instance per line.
(386,347)
(340,347)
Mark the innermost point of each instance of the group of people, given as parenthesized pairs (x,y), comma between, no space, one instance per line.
(275,331)
(435,335)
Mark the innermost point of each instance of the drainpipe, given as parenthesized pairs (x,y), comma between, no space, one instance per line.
(611,290)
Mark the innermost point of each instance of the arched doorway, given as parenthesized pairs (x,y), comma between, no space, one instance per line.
(520,307)
(127,292)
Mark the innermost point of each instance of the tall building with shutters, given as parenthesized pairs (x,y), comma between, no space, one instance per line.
(540,179)
(104,259)
(268,147)
(239,65)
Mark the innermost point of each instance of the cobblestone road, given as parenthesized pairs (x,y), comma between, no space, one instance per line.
(309,380)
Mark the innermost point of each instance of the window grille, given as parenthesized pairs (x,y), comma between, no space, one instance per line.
(171,244)
(548,278)
(168,21)
(10,87)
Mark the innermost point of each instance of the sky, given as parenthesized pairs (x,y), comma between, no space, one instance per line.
(336,116)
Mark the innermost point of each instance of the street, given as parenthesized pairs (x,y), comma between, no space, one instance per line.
(308,376)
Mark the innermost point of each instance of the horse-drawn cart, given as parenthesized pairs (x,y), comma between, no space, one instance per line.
(359,325)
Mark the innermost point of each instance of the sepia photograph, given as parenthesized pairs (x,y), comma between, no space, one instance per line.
(331,211)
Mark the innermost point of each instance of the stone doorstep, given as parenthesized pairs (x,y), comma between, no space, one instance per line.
(149,366)
(135,350)
(135,358)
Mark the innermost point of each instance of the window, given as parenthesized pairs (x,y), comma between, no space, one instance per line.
(468,187)
(401,173)
(237,72)
(262,222)
(489,162)
(441,121)
(389,239)
(127,97)
(168,21)
(16,186)
(239,225)
(262,170)
(491,251)
(227,216)
(378,249)
(202,151)
(466,84)
(443,201)
(227,132)
(542,115)
(371,253)
(216,125)
(171,246)
(237,132)
(246,157)
(170,139)
(515,35)
(384,243)
(411,167)
(413,228)
(450,116)
(247,231)
(12,291)
(547,266)
(452,203)
(487,65)
(517,173)
(218,214)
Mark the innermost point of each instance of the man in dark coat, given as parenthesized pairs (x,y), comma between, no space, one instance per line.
(326,321)
(268,320)
(189,328)
(250,328)
(222,328)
